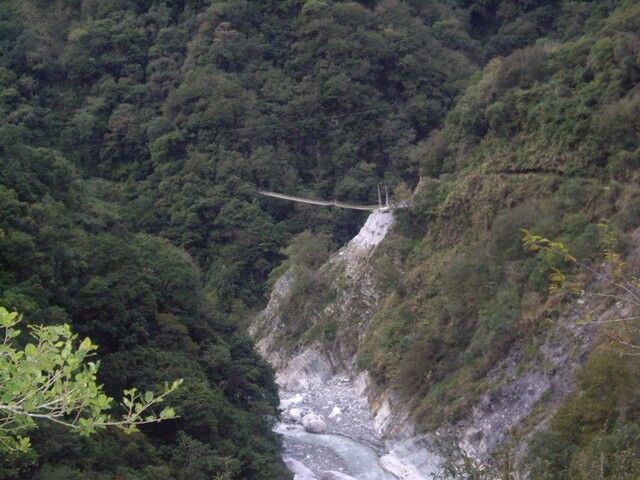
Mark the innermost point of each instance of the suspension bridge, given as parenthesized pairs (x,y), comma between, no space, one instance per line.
(332,203)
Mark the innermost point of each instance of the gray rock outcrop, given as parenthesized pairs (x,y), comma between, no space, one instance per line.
(304,371)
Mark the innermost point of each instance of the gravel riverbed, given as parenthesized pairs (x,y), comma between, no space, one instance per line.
(347,416)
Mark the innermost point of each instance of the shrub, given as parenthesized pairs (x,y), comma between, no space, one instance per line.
(523,68)
(431,153)
(548,456)
(467,280)
(619,123)
(307,250)
(623,163)
(506,234)
(615,456)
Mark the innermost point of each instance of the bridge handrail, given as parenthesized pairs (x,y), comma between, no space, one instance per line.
(323,203)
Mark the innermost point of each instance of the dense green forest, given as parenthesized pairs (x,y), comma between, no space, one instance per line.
(546,139)
(134,134)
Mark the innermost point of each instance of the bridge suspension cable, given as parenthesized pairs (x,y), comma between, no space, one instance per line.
(324,203)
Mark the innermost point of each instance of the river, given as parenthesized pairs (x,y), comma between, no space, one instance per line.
(349,445)
(357,460)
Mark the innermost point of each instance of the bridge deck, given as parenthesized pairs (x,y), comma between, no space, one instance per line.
(323,203)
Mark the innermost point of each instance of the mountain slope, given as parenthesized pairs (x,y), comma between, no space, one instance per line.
(134,134)
(465,339)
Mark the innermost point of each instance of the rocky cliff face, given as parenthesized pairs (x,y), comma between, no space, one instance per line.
(356,297)
(520,393)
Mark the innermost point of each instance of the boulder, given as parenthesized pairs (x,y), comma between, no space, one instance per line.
(295,415)
(300,471)
(313,423)
(333,475)
(288,402)
(336,412)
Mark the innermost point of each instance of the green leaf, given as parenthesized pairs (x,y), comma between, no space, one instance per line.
(86,345)
(167,413)
(30,350)
(24,443)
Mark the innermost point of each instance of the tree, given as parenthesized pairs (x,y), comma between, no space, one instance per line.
(616,283)
(49,380)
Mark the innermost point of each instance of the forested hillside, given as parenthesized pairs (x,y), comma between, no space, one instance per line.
(133,137)
(544,139)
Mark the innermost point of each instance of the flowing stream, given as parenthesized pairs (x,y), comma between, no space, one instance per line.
(360,461)
(349,444)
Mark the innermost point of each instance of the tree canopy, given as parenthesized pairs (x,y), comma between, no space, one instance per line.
(133,135)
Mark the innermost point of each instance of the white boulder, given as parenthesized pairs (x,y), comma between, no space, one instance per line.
(300,471)
(313,423)
(295,415)
(333,475)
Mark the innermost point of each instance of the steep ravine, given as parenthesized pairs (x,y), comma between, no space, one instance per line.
(321,377)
